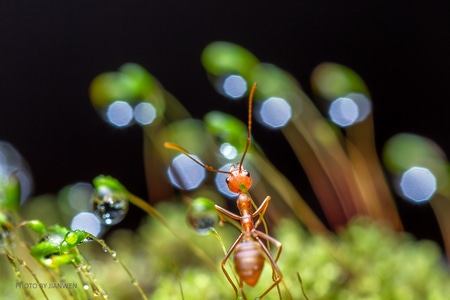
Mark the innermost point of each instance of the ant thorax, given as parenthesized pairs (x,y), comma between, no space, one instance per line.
(239,179)
(244,203)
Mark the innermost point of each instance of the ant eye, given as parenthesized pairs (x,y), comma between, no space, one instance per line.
(227,180)
(247,173)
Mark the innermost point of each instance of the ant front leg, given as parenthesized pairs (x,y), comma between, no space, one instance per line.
(227,213)
(222,211)
(261,211)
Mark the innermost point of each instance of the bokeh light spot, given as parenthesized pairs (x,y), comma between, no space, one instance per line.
(186,174)
(87,222)
(234,86)
(79,196)
(418,184)
(343,112)
(228,150)
(119,113)
(12,162)
(363,103)
(221,182)
(144,113)
(275,112)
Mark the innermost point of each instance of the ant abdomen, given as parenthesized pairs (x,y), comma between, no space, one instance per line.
(249,261)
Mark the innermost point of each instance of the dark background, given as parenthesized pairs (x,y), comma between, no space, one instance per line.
(51,50)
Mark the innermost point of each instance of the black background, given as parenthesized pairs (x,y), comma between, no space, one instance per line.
(51,50)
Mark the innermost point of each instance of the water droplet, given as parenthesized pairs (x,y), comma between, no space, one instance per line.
(114,255)
(202,215)
(86,287)
(64,246)
(48,261)
(109,205)
(55,238)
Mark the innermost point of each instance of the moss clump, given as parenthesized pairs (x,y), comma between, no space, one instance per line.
(364,261)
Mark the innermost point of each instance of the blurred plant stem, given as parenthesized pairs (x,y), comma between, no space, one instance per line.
(369,175)
(145,206)
(441,208)
(288,194)
(155,158)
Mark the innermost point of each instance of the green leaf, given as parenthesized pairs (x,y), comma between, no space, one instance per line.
(44,249)
(37,226)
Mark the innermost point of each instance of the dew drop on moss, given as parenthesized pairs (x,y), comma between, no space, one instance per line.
(110,206)
(202,215)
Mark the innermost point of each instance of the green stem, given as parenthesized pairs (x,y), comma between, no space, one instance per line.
(116,259)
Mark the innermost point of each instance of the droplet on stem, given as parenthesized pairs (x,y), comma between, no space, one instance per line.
(110,200)
(202,215)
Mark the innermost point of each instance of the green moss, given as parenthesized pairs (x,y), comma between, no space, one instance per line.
(365,261)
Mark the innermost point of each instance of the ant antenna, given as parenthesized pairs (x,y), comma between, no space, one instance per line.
(249,124)
(173,146)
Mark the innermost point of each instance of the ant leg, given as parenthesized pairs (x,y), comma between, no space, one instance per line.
(241,287)
(277,275)
(227,213)
(272,240)
(224,261)
(261,210)
(223,212)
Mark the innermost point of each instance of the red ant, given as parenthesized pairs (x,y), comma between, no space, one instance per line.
(250,252)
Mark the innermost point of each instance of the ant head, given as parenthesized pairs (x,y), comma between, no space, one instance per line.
(239,179)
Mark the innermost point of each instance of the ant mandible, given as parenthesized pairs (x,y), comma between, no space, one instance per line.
(250,252)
